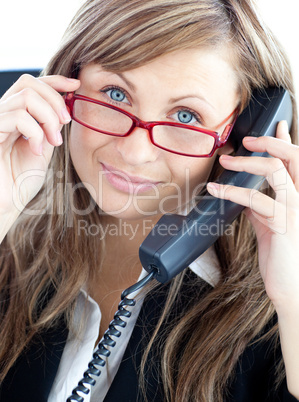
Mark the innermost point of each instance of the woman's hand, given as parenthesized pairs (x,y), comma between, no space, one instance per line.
(32,113)
(276,222)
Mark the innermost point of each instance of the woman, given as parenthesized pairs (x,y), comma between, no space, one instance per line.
(74,215)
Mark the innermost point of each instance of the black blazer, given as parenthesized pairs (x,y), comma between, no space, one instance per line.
(31,379)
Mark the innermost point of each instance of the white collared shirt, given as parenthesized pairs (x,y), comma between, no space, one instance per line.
(78,352)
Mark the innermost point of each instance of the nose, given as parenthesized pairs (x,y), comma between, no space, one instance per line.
(137,148)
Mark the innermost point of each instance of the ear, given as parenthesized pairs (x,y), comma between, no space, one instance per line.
(226,149)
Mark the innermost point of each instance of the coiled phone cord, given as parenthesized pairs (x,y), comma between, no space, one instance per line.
(102,350)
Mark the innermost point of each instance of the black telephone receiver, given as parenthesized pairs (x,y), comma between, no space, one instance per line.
(176,241)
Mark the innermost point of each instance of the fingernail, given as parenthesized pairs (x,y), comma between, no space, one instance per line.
(59,138)
(226,157)
(74,80)
(65,115)
(40,150)
(285,125)
(213,187)
(250,138)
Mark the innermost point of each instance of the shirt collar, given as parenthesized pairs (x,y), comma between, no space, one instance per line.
(207,267)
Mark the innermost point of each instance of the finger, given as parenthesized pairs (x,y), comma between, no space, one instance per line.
(257,221)
(263,204)
(278,148)
(272,169)
(39,109)
(60,83)
(47,88)
(268,211)
(17,122)
(282,131)
(24,159)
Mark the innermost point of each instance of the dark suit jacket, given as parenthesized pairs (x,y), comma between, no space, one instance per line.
(32,377)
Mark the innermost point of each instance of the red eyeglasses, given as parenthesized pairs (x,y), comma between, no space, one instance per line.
(178,138)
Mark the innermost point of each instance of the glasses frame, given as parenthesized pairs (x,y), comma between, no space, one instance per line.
(219,139)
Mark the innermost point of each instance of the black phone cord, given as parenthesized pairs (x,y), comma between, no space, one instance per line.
(98,361)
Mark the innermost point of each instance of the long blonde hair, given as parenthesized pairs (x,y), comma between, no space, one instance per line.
(46,253)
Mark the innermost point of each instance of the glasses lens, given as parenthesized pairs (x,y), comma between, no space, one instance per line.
(183,140)
(101,117)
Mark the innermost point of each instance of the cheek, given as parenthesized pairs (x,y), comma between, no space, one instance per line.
(82,138)
(192,177)
(84,144)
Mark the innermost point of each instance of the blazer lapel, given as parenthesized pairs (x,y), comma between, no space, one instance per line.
(32,376)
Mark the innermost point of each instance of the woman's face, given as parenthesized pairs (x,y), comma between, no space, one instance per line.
(129,177)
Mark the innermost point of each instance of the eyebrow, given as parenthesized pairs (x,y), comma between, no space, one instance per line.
(129,83)
(174,100)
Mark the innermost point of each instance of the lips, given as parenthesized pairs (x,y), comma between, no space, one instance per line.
(126,183)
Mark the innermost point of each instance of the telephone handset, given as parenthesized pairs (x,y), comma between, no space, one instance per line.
(176,241)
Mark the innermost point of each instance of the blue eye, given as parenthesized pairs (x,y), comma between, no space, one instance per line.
(185,117)
(117,95)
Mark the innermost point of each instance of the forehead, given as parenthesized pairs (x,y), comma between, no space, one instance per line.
(209,73)
(189,64)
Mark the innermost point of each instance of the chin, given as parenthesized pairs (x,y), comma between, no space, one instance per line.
(142,210)
(131,214)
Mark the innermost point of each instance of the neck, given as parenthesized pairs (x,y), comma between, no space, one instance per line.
(122,239)
(125,235)
(120,267)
